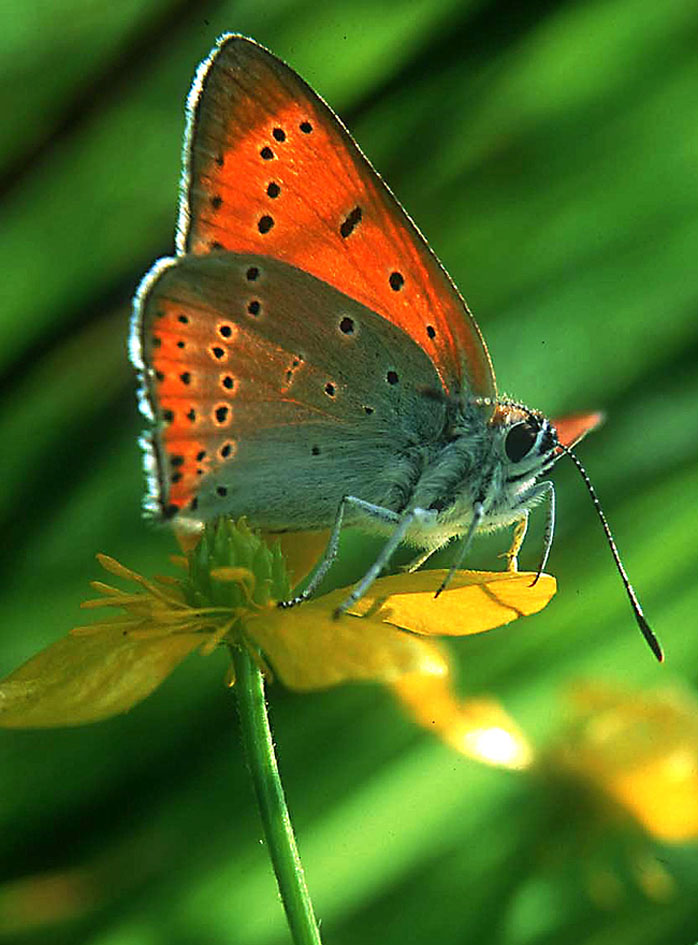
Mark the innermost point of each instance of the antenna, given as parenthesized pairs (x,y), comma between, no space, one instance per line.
(645,628)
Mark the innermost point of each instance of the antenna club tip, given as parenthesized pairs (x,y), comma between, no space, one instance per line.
(648,634)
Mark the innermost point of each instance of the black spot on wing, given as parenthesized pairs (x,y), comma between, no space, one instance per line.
(350,223)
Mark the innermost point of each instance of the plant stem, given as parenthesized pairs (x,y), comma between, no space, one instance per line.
(259,748)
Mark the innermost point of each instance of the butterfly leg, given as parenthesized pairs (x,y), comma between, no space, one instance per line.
(547,491)
(512,555)
(417,562)
(405,521)
(330,552)
(475,522)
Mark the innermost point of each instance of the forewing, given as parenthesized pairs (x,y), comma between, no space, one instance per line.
(273,395)
(269,168)
(575,426)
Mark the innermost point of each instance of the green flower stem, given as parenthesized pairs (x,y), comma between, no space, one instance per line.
(259,748)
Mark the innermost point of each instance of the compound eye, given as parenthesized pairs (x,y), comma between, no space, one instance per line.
(520,440)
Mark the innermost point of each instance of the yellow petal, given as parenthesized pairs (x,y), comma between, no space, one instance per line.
(477,728)
(640,749)
(308,649)
(475,601)
(85,678)
(662,794)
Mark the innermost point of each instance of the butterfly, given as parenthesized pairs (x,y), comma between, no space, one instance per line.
(304,358)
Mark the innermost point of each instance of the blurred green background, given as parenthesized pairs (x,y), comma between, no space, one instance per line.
(549,152)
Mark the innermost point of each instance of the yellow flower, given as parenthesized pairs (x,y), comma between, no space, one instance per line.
(228,596)
(623,771)
(640,751)
(479,728)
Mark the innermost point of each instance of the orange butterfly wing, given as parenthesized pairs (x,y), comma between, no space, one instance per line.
(572,428)
(272,170)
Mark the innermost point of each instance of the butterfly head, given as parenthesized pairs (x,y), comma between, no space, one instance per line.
(526,446)
(528,439)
